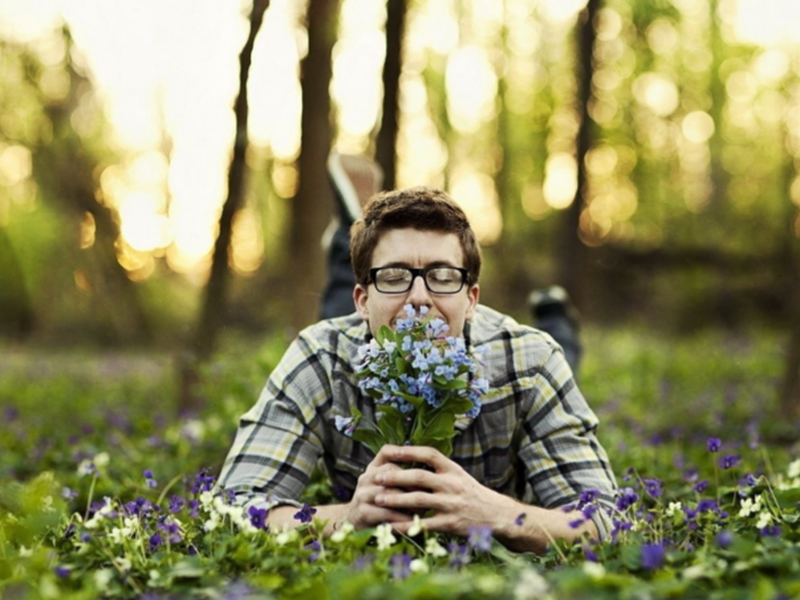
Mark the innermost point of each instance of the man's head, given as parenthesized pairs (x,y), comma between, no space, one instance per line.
(415,228)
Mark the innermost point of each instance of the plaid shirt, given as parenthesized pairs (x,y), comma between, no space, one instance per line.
(534,438)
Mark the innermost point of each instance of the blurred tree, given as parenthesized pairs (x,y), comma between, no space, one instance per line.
(572,252)
(65,166)
(213,313)
(386,146)
(16,310)
(311,206)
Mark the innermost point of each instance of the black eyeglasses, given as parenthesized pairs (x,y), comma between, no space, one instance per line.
(438,280)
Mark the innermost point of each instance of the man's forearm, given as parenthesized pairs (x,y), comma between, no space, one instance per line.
(526,528)
(332,515)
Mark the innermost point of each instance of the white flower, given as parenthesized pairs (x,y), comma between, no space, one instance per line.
(594,570)
(23,551)
(86,467)
(345,529)
(383,533)
(212,523)
(764,519)
(416,527)
(418,566)
(288,535)
(117,535)
(101,459)
(793,470)
(695,572)
(122,563)
(434,548)
(749,507)
(530,585)
(102,578)
(673,508)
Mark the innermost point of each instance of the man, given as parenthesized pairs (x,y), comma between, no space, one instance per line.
(531,451)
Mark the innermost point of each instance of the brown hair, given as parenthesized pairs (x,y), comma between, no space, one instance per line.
(422,208)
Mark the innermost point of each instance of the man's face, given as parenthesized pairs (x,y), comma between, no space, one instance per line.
(416,249)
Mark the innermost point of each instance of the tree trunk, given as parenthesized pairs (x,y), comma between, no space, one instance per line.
(212,314)
(16,311)
(386,148)
(311,207)
(572,258)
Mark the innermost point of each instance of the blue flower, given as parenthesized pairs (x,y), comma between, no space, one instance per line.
(62,572)
(459,555)
(480,537)
(154,542)
(652,556)
(305,514)
(316,549)
(401,565)
(345,424)
(700,486)
(724,539)
(713,444)
(770,531)
(520,519)
(706,505)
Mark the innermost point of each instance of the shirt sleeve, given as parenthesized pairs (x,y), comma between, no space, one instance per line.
(560,449)
(278,441)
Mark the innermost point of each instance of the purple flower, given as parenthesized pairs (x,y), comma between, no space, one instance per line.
(68,494)
(770,531)
(627,497)
(713,444)
(305,514)
(652,556)
(706,505)
(401,565)
(730,461)
(700,486)
(750,480)
(724,539)
(653,487)
(588,496)
(520,519)
(154,542)
(148,474)
(62,572)
(86,538)
(203,482)
(176,504)
(576,523)
(316,550)
(480,537)
(588,511)
(590,554)
(459,555)
(193,505)
(258,517)
(171,529)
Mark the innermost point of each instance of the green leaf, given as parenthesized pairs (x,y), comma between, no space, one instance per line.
(391,425)
(385,333)
(373,439)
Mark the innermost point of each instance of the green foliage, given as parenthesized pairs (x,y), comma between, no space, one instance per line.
(70,442)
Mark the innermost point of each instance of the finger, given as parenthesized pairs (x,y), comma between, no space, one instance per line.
(377,516)
(384,455)
(409,500)
(419,454)
(411,478)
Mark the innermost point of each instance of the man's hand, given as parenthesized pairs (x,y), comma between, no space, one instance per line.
(458,501)
(362,510)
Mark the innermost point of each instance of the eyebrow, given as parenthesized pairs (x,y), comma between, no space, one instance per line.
(405,265)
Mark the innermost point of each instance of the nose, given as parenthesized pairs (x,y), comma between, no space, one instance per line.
(419,295)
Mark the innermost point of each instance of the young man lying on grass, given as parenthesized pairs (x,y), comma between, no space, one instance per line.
(528,454)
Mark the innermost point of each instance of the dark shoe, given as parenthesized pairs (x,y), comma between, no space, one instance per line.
(355,179)
(553,301)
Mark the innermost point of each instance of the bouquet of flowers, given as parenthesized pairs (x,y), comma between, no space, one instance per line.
(422,380)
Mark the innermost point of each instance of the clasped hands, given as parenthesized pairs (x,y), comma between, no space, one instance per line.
(388,493)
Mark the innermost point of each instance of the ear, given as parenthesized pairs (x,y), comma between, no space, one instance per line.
(360,297)
(473,295)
